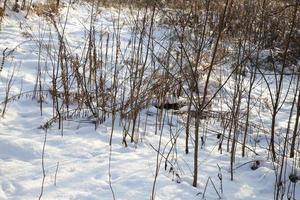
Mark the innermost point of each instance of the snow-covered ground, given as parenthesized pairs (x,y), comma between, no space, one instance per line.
(77,163)
(81,160)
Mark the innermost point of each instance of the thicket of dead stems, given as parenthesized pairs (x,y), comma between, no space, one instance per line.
(213,54)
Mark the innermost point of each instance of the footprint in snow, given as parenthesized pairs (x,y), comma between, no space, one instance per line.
(8,187)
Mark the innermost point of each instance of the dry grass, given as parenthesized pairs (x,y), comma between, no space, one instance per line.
(42,9)
(1,12)
(143,3)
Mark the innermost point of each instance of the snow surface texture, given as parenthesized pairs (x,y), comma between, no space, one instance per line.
(76,164)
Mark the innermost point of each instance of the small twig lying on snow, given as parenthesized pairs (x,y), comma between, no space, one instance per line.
(56,173)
